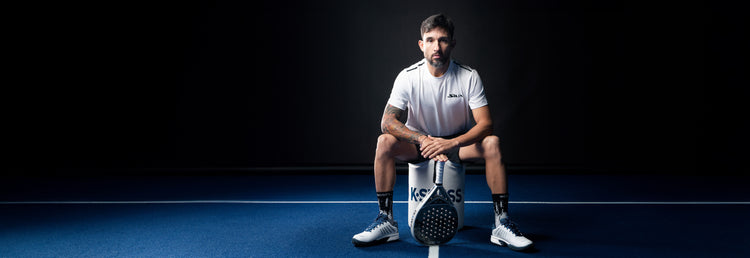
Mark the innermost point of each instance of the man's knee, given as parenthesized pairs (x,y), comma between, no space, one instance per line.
(386,143)
(491,147)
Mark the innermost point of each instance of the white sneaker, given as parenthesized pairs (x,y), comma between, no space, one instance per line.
(507,233)
(383,230)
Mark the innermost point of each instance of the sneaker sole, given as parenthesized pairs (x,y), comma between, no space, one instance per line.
(500,242)
(384,240)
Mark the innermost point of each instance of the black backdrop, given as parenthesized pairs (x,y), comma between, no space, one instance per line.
(599,86)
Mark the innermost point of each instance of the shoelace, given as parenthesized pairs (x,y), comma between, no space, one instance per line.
(382,218)
(511,226)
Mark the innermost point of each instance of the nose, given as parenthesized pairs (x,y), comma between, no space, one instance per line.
(436,46)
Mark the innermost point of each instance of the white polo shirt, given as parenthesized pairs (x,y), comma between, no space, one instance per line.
(438,106)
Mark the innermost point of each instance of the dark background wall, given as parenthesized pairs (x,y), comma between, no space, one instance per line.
(598,86)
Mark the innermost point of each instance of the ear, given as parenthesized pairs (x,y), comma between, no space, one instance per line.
(453,43)
(421,45)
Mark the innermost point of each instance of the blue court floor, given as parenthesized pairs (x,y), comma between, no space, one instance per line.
(316,216)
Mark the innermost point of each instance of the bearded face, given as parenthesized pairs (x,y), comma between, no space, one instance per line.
(436,45)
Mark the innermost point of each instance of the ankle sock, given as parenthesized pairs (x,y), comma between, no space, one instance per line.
(500,202)
(385,203)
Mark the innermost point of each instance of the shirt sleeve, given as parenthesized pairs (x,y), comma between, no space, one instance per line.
(400,92)
(476,92)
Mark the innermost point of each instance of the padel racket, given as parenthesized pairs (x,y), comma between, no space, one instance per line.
(435,220)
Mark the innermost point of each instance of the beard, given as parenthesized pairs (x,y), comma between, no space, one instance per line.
(438,62)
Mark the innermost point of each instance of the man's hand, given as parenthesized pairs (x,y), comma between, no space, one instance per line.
(441,158)
(433,146)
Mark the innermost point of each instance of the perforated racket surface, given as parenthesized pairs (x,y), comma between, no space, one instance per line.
(435,220)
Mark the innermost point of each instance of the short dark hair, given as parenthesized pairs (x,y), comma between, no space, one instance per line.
(437,20)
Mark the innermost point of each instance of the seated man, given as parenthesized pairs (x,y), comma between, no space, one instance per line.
(441,97)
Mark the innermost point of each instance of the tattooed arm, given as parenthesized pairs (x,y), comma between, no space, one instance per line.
(390,124)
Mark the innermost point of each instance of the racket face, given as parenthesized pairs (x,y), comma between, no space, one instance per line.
(436,220)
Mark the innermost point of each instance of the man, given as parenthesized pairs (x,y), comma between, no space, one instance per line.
(441,96)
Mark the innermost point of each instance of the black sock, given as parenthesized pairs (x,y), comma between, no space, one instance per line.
(501,205)
(385,203)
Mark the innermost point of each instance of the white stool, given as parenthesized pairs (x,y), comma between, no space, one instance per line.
(421,180)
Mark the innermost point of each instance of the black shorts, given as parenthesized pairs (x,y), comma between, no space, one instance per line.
(452,156)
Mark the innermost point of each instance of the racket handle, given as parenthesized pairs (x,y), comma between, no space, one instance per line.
(439,168)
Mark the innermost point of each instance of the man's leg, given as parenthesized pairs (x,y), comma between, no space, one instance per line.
(389,149)
(385,228)
(488,150)
(505,231)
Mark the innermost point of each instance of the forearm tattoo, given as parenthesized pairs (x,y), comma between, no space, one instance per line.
(391,125)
